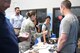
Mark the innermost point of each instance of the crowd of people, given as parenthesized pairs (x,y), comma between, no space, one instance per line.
(19,34)
(28,29)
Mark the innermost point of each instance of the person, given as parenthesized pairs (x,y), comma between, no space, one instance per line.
(16,20)
(8,40)
(37,33)
(36,23)
(68,29)
(46,27)
(26,31)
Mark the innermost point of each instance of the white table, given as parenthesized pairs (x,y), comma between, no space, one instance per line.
(44,50)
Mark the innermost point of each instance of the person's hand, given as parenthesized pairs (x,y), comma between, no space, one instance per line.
(24,37)
(35,35)
(44,42)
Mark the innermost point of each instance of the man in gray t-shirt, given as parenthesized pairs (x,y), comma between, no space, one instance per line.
(69,26)
(68,30)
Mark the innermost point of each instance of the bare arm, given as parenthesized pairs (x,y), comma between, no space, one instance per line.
(61,41)
(44,36)
(64,33)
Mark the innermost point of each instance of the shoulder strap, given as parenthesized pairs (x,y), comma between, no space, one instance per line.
(46,27)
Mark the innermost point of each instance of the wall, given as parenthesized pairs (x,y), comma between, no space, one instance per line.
(36,4)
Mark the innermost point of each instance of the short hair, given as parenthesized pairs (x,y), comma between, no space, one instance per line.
(17,8)
(67,4)
(48,17)
(30,13)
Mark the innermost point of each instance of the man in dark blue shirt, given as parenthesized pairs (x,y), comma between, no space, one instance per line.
(8,40)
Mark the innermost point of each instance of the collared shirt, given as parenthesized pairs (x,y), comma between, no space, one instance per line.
(16,21)
(8,40)
(69,25)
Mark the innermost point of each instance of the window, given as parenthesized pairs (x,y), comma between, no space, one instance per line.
(56,21)
(41,14)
